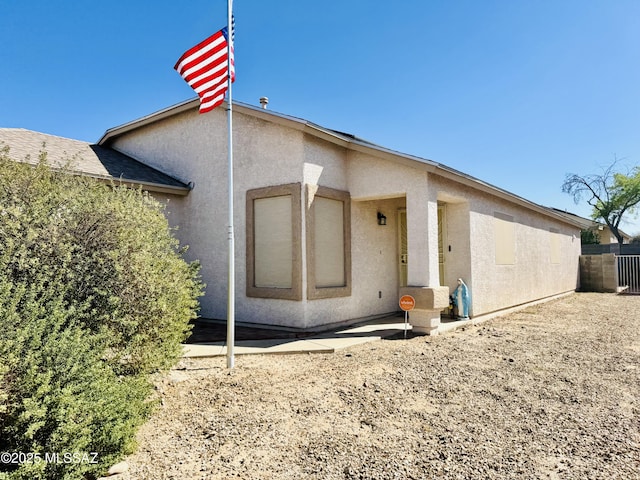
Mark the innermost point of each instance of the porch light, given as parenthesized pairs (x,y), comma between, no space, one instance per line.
(382,220)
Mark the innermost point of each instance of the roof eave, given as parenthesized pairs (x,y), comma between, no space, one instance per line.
(148,119)
(347,142)
(193,104)
(477,184)
(148,186)
(454,175)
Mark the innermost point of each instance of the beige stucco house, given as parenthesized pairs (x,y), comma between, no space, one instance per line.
(330,228)
(310,247)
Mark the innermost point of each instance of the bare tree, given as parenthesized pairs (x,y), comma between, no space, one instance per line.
(611,194)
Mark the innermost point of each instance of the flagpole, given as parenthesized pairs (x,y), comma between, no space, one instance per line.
(231,279)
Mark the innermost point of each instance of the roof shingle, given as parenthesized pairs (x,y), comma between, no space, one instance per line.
(84,158)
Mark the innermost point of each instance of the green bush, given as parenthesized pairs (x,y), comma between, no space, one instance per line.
(589,237)
(94,297)
(127,266)
(61,395)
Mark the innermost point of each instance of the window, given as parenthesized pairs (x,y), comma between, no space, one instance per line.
(274,265)
(328,232)
(273,245)
(505,239)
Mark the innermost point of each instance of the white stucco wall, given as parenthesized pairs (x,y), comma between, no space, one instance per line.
(374,267)
(470,232)
(193,148)
(374,270)
(533,276)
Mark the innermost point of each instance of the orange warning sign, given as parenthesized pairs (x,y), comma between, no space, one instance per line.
(407,303)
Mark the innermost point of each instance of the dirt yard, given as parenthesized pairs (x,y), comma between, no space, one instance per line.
(551,392)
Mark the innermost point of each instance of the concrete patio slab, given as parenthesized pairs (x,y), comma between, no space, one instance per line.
(340,339)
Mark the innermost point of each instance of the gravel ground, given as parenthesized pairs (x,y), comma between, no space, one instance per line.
(550,392)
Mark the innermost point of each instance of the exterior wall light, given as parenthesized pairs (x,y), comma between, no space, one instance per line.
(382,220)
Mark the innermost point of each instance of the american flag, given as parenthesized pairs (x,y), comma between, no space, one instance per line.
(205,68)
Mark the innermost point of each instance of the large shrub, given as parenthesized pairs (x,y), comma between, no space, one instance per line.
(94,297)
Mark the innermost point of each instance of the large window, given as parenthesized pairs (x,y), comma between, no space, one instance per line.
(505,239)
(274,265)
(328,234)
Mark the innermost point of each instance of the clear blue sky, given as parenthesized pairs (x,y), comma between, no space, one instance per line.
(515,92)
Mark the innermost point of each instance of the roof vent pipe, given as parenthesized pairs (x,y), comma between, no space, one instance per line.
(264,101)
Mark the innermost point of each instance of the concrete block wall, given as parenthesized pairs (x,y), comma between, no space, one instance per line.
(599,273)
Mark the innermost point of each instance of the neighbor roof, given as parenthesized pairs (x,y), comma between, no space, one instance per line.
(345,140)
(84,158)
(587,223)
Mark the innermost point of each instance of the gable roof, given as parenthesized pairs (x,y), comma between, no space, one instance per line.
(345,140)
(96,161)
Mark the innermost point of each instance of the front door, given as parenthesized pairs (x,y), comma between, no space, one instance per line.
(442,242)
(403,251)
(403,255)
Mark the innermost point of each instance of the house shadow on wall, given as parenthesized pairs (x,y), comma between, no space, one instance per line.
(207,331)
